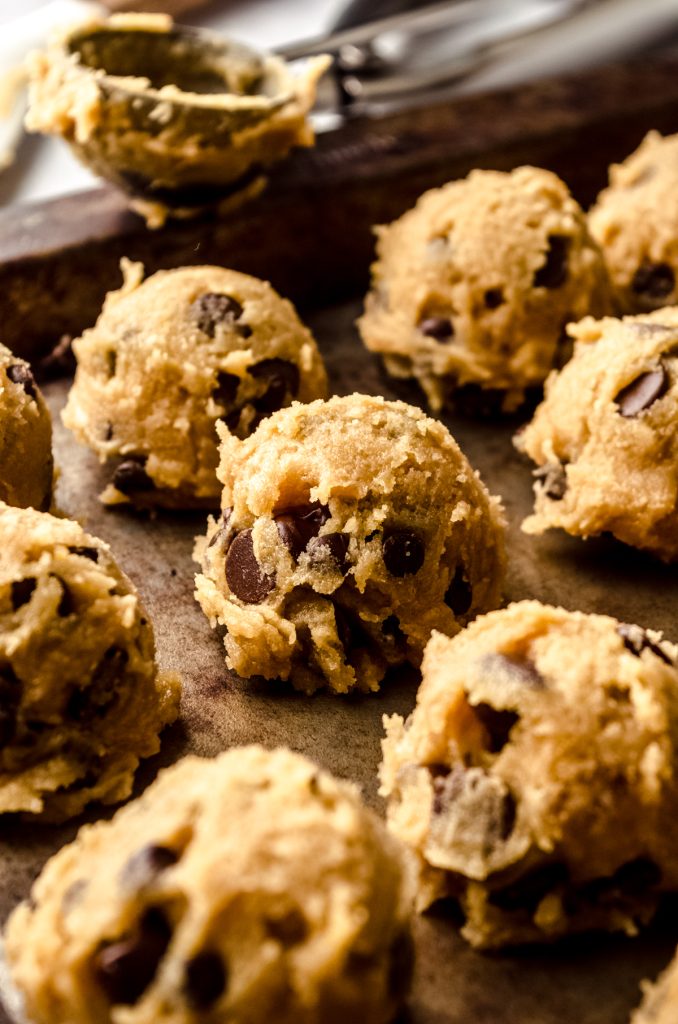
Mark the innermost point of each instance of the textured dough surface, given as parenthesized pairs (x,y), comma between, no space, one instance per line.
(81,700)
(660,1003)
(271,876)
(605,438)
(351,528)
(26,464)
(635,221)
(473,286)
(170,356)
(536,778)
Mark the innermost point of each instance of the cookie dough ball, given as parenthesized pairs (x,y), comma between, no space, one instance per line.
(635,221)
(179,121)
(605,438)
(537,777)
(350,529)
(81,700)
(169,357)
(473,286)
(26,464)
(251,888)
(660,1005)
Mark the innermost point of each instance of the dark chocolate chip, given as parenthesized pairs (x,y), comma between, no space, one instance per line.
(111,362)
(125,969)
(654,281)
(85,552)
(331,547)
(108,432)
(215,308)
(553,271)
(282,383)
(526,893)
(298,524)
(66,604)
(21,374)
(494,297)
(636,640)
(289,929)
(22,591)
(439,327)
(459,595)
(130,477)
(95,698)
(224,529)
(146,864)
(350,630)
(511,670)
(243,573)
(403,552)
(637,876)
(401,967)
(642,392)
(497,723)
(226,388)
(10,698)
(205,980)
(552,479)
(507,818)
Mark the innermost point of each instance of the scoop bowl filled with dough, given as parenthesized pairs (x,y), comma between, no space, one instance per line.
(251,888)
(605,438)
(81,698)
(471,289)
(536,779)
(26,463)
(635,222)
(168,358)
(350,529)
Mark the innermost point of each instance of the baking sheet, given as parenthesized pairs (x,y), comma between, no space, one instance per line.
(591,980)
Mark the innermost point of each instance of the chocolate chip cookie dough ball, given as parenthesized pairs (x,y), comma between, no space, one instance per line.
(537,777)
(81,699)
(350,529)
(26,465)
(605,438)
(472,287)
(660,1005)
(635,221)
(168,358)
(250,888)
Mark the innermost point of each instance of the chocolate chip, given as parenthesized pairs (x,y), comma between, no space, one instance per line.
(459,595)
(205,980)
(111,362)
(10,698)
(125,969)
(95,698)
(654,281)
(439,327)
(107,432)
(553,271)
(526,893)
(289,929)
(21,374)
(222,534)
(215,308)
(401,966)
(403,552)
(331,547)
(637,876)
(243,573)
(146,864)
(641,393)
(636,640)
(85,552)
(226,388)
(553,480)
(505,670)
(390,627)
(497,723)
(130,477)
(22,591)
(282,383)
(298,524)
(494,297)
(66,604)
(350,630)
